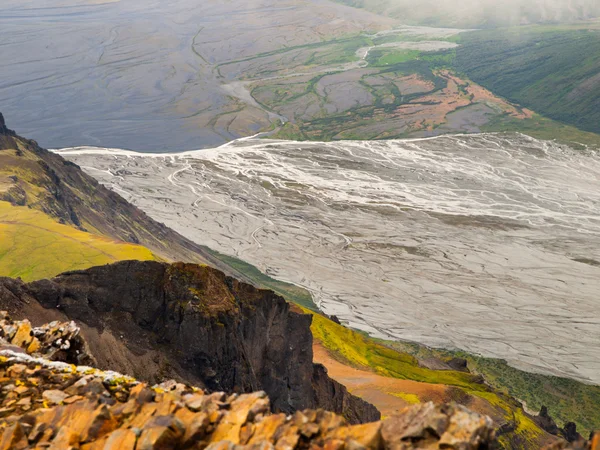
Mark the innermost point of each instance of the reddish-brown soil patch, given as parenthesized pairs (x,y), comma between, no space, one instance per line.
(376,389)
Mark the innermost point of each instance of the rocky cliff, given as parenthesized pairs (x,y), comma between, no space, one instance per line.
(188,322)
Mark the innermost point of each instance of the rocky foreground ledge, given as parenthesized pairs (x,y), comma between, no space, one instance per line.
(54,405)
(46,402)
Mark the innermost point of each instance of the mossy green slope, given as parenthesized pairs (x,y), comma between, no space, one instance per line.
(360,351)
(34,246)
(551,69)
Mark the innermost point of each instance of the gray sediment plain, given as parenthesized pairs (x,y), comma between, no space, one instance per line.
(145,74)
(488,243)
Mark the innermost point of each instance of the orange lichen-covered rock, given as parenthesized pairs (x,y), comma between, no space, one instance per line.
(52,404)
(104,410)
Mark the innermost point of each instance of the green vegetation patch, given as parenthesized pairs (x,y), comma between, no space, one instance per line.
(567,400)
(34,246)
(361,351)
(290,292)
(386,58)
(554,70)
(541,127)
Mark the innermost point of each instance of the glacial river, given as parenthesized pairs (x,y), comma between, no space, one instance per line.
(488,243)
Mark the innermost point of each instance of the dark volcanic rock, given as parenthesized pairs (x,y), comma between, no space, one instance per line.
(333,396)
(459,364)
(6,135)
(569,432)
(545,422)
(155,321)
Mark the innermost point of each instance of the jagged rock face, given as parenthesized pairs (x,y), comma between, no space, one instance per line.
(6,135)
(189,322)
(63,406)
(333,396)
(54,341)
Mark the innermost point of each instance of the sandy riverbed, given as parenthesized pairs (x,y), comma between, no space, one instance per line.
(488,243)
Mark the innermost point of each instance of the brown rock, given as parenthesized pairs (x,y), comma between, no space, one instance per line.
(21,390)
(121,440)
(222,445)
(25,401)
(332,444)
(13,438)
(4,412)
(467,430)
(329,421)
(289,440)
(24,334)
(54,396)
(34,346)
(144,415)
(368,435)
(196,426)
(414,423)
(72,399)
(16,369)
(194,402)
(308,430)
(164,433)
(65,438)
(102,422)
(243,408)
(267,428)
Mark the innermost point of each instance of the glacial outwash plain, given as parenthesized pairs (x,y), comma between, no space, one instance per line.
(466,242)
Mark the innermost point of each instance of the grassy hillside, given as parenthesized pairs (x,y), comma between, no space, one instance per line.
(554,70)
(567,400)
(34,246)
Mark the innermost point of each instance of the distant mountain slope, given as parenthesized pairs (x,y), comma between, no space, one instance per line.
(554,70)
(481,14)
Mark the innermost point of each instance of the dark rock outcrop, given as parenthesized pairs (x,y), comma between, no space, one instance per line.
(569,432)
(459,364)
(333,396)
(546,422)
(6,136)
(54,341)
(192,323)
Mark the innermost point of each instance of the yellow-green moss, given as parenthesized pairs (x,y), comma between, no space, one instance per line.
(361,351)
(34,246)
(411,399)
